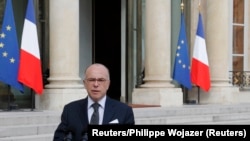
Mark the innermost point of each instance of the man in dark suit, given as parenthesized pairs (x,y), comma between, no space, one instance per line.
(76,116)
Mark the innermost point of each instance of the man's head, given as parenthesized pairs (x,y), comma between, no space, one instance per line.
(96,81)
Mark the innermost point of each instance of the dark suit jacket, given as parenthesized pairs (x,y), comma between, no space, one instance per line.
(74,117)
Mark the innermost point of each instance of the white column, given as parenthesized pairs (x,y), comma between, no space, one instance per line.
(158,44)
(65,84)
(218,46)
(157,89)
(217,36)
(64,44)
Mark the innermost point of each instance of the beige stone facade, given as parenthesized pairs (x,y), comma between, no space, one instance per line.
(66,41)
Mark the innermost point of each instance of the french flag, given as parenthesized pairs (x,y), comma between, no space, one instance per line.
(30,72)
(200,74)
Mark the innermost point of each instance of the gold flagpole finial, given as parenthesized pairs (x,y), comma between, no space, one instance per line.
(182,6)
(199,6)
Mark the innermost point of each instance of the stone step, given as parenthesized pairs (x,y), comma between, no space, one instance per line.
(40,125)
(195,119)
(36,129)
(24,117)
(191,110)
(233,122)
(29,129)
(42,137)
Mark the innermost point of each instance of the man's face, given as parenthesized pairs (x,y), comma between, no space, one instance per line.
(97,81)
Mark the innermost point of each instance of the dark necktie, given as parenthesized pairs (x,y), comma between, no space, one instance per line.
(95,115)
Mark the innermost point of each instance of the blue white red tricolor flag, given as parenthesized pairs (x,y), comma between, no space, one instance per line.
(30,71)
(200,74)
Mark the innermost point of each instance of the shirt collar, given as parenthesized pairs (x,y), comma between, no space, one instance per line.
(101,102)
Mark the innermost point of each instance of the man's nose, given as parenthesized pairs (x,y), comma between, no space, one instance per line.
(96,83)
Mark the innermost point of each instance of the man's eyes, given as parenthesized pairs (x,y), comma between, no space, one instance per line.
(98,80)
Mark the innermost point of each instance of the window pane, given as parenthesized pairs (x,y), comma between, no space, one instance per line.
(238,40)
(5,96)
(238,16)
(238,63)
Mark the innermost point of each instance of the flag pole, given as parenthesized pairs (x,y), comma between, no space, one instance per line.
(185,91)
(181,71)
(13,105)
(200,66)
(183,87)
(32,100)
(198,95)
(9,107)
(182,6)
(199,7)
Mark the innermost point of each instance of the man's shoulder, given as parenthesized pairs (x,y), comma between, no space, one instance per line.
(75,102)
(118,103)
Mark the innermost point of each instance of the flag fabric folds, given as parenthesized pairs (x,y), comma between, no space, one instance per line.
(9,49)
(200,74)
(30,72)
(181,72)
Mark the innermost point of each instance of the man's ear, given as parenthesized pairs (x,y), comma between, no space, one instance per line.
(109,84)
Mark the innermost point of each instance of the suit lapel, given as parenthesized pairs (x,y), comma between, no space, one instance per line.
(83,113)
(108,111)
